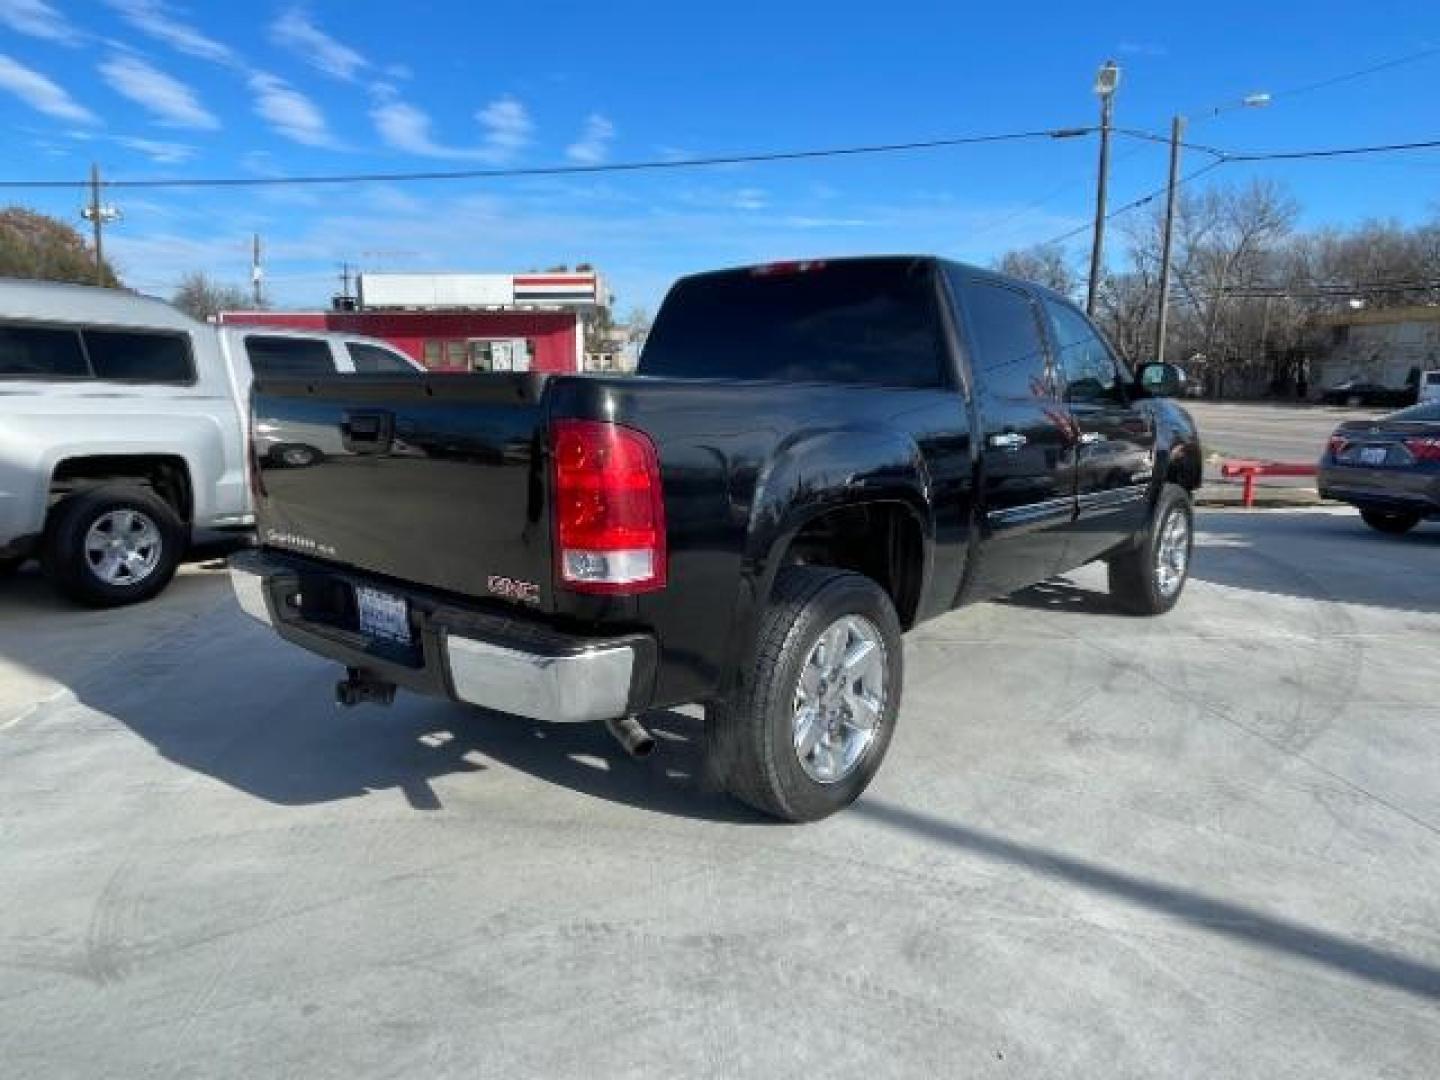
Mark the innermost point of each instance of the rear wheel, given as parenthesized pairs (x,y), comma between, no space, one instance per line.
(112,545)
(1148,578)
(1389,521)
(808,725)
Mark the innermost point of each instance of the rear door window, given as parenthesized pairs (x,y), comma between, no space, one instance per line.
(126,356)
(871,322)
(36,352)
(1004,330)
(289,356)
(372,360)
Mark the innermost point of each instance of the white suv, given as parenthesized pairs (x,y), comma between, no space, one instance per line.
(122,429)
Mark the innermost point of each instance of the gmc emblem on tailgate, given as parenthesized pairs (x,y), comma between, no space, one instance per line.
(525,592)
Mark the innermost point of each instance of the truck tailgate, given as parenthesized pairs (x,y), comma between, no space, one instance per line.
(435,480)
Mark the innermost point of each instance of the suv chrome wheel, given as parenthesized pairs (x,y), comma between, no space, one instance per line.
(840,699)
(1172,553)
(123,547)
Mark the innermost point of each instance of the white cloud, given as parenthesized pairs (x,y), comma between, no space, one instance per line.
(406,128)
(168,98)
(295,30)
(506,121)
(38,18)
(593,146)
(289,112)
(155,17)
(162,153)
(41,93)
(508,128)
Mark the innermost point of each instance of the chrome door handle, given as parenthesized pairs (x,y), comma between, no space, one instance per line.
(1011,440)
(1090,438)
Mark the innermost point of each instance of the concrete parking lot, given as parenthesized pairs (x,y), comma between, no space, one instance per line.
(1206,845)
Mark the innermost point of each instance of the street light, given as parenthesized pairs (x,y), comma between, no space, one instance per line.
(1257,100)
(1107,81)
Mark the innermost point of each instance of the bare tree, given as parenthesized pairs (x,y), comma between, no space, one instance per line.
(201,298)
(1044,264)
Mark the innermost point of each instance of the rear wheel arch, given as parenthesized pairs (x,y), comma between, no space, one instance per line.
(168,476)
(885,539)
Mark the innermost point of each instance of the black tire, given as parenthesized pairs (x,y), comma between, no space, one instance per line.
(752,731)
(1135,583)
(68,564)
(1390,521)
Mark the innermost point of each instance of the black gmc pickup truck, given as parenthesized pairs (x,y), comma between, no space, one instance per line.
(813,458)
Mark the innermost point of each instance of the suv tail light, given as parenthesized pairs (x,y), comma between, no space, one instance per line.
(1338,443)
(1426,448)
(609,515)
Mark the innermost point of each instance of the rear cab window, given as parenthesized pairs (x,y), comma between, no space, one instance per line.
(127,356)
(41,352)
(107,355)
(872,322)
(289,355)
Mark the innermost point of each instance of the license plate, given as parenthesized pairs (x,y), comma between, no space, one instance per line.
(383,617)
(1373,455)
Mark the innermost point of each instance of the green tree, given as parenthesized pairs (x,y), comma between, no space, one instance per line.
(43,248)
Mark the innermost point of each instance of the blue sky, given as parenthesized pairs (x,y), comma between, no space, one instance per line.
(151,88)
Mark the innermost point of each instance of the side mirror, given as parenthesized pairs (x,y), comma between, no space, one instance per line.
(1162,380)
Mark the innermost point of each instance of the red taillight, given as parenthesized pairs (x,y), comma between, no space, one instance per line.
(609,515)
(1424,449)
(1337,445)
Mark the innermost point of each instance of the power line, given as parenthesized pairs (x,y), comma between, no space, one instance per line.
(571,170)
(1340,151)
(1334,80)
(1136,204)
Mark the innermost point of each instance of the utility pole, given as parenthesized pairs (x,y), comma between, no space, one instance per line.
(257,274)
(1256,100)
(1177,136)
(1106,81)
(99,215)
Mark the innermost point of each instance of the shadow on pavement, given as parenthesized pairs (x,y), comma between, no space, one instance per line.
(1062,595)
(289,744)
(1319,556)
(1207,913)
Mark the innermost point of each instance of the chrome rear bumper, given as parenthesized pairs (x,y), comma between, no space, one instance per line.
(574,681)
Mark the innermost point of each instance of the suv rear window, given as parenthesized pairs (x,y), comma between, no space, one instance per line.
(124,356)
(35,352)
(873,322)
(289,356)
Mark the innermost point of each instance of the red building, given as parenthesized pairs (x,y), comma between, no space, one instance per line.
(462,322)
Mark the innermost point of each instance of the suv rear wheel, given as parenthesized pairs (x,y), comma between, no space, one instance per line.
(112,545)
(1148,578)
(808,726)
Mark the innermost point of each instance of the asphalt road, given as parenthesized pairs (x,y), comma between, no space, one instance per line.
(1205,845)
(1268,432)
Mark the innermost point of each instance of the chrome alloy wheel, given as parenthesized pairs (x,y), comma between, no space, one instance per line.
(1172,553)
(840,699)
(123,547)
